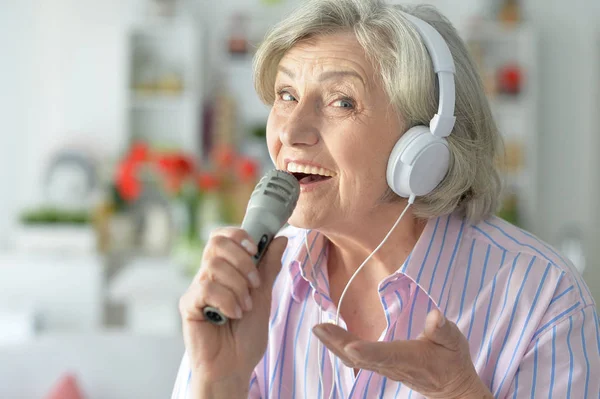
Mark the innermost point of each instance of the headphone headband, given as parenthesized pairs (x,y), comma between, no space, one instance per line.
(442,123)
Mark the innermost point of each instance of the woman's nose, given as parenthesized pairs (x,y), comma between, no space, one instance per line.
(301,129)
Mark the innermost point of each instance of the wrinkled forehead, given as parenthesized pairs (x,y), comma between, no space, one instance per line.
(337,55)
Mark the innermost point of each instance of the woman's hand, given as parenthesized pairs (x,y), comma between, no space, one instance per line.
(229,281)
(437,364)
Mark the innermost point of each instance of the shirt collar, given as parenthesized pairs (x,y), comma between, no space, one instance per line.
(310,257)
(430,264)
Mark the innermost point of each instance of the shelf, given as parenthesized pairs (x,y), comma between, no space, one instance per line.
(495,31)
(508,105)
(518,179)
(164,88)
(160,26)
(160,101)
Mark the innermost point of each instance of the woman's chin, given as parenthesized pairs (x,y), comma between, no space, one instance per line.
(299,223)
(302,221)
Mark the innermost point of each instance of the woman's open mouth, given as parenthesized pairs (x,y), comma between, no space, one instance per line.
(308,174)
(307,178)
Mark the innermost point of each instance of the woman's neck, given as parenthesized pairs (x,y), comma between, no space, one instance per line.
(353,242)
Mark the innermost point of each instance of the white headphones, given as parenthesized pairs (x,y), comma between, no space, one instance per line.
(420,159)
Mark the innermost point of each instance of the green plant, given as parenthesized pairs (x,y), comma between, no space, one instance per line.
(48,215)
(259,131)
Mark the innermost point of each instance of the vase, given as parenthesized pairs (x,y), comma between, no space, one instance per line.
(189,245)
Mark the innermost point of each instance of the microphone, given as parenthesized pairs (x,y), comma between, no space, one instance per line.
(271,205)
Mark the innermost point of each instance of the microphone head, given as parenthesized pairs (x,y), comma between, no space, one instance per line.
(272,202)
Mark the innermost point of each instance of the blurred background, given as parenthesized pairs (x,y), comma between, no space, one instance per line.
(130,129)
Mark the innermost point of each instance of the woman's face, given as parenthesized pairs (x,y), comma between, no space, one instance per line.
(332,126)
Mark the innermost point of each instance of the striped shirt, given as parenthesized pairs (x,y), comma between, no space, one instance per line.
(528,316)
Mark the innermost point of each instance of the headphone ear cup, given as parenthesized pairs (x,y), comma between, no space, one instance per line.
(418,163)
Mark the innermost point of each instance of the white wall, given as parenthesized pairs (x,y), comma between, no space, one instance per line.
(569,145)
(81,66)
(65,81)
(593,272)
(18,41)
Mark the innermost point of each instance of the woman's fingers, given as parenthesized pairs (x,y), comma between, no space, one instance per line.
(221,272)
(207,293)
(225,277)
(236,247)
(228,274)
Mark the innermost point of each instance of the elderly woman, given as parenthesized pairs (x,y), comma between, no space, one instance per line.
(454,303)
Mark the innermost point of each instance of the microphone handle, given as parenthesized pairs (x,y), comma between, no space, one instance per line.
(262,237)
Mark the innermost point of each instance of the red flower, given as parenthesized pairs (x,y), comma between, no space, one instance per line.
(510,79)
(247,170)
(184,165)
(139,152)
(166,164)
(127,182)
(175,168)
(224,157)
(176,164)
(208,182)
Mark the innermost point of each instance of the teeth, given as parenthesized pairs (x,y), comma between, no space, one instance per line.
(311,170)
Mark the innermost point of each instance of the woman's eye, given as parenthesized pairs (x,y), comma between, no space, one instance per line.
(344,103)
(286,96)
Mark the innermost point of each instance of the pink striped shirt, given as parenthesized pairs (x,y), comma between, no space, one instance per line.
(530,320)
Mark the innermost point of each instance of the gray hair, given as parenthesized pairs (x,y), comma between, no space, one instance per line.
(472,184)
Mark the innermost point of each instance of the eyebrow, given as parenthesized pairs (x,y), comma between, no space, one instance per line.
(326,75)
